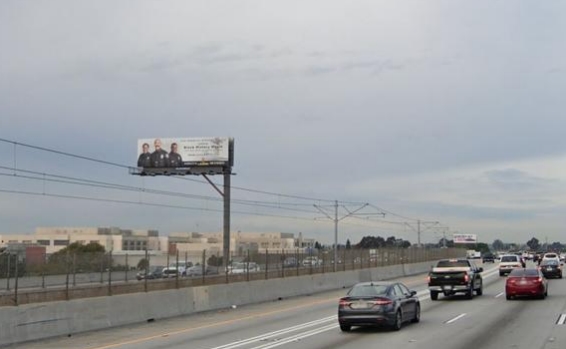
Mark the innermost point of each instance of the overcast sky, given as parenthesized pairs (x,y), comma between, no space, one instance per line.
(448,111)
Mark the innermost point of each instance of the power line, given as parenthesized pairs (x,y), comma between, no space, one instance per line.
(76,156)
(106,185)
(86,198)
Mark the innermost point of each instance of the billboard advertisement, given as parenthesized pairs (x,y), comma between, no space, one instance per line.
(465,238)
(183,152)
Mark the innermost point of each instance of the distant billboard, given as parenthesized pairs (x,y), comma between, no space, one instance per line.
(465,238)
(159,153)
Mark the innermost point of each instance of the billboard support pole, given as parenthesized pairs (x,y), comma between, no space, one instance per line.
(226,225)
(226,237)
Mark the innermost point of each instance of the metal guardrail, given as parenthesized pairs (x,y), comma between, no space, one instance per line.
(73,276)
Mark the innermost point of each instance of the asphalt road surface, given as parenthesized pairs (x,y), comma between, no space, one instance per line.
(486,322)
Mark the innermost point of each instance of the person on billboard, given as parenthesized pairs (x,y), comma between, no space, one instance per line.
(159,157)
(144,160)
(175,159)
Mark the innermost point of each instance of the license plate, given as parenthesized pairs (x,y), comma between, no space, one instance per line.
(361,305)
(447,288)
(523,282)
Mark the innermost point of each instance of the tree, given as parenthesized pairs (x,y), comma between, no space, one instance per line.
(445,242)
(533,244)
(143,264)
(482,247)
(348,244)
(215,261)
(498,245)
(79,257)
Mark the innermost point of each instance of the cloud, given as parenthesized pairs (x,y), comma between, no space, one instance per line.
(515,180)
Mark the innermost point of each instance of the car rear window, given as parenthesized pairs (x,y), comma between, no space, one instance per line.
(368,290)
(509,258)
(524,272)
(452,263)
(550,255)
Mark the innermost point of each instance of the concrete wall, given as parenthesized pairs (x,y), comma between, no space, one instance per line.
(42,320)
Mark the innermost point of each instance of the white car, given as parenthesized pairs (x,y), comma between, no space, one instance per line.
(508,263)
(551,256)
(311,261)
(242,268)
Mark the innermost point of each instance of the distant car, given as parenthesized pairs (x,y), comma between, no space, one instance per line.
(311,261)
(551,268)
(154,272)
(378,303)
(488,257)
(171,272)
(550,256)
(526,282)
(197,270)
(508,263)
(291,262)
(243,268)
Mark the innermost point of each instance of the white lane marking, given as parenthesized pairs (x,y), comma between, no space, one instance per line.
(455,319)
(500,294)
(561,320)
(275,333)
(297,337)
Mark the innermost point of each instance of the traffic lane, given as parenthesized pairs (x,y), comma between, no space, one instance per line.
(326,333)
(488,321)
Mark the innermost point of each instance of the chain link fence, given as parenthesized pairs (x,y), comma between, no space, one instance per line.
(80,275)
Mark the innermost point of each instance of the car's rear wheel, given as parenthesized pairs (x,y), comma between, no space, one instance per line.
(417,317)
(470,293)
(345,328)
(508,297)
(479,291)
(398,321)
(433,295)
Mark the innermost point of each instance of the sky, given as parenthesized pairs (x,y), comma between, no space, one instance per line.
(449,112)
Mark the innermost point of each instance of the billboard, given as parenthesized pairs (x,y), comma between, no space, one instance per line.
(159,153)
(465,238)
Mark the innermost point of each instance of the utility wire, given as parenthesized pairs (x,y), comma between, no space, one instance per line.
(141,189)
(150,191)
(63,196)
(87,158)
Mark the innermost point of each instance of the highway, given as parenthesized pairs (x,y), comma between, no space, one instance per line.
(488,321)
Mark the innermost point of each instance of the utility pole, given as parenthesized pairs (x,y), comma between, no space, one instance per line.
(419,232)
(428,225)
(335,219)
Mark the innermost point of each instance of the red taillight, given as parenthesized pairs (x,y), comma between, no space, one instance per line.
(466,277)
(539,280)
(428,279)
(383,302)
(344,302)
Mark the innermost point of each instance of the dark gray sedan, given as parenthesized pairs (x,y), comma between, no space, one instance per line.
(551,268)
(378,304)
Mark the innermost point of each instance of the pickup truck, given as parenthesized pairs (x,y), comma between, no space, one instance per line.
(451,276)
